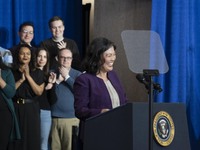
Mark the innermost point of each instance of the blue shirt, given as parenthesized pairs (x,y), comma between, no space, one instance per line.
(64,106)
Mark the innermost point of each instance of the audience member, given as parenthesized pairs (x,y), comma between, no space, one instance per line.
(26,35)
(63,110)
(6,56)
(9,128)
(98,89)
(42,58)
(29,85)
(58,41)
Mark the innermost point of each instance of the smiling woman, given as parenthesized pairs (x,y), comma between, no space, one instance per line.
(98,89)
(42,61)
(29,84)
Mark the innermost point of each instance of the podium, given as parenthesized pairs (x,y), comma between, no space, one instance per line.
(127,128)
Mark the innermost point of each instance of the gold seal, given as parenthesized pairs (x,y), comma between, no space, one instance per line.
(163,128)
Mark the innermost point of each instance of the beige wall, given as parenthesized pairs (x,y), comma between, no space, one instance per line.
(111,17)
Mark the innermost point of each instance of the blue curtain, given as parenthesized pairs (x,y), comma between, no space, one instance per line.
(14,12)
(178,24)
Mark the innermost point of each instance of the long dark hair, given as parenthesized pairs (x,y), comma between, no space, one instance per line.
(46,67)
(93,59)
(16,62)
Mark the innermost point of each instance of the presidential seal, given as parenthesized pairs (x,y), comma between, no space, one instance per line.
(163,128)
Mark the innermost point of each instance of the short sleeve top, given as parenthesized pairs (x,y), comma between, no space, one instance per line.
(24,90)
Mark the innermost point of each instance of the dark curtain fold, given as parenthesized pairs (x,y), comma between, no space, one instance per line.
(86,26)
(14,12)
(177,22)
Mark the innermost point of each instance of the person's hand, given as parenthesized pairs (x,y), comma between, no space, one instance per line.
(1,80)
(26,70)
(23,77)
(64,71)
(60,79)
(62,44)
(52,77)
(51,80)
(0,75)
(104,110)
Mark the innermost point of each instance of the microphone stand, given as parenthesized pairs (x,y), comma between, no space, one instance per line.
(150,114)
(149,74)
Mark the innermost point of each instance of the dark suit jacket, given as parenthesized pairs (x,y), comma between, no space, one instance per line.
(91,94)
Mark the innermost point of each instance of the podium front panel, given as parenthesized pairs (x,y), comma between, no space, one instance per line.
(127,128)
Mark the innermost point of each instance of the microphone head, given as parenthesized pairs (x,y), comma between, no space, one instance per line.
(140,78)
(146,80)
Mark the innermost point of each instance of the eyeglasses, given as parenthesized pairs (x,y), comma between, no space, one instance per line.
(27,32)
(65,58)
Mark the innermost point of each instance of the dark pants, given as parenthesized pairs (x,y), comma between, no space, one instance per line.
(5,126)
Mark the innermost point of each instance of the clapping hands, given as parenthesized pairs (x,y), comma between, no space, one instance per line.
(64,71)
(52,77)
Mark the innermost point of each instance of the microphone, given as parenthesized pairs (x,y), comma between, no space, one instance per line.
(145,80)
(142,79)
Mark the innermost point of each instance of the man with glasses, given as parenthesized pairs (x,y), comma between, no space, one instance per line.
(63,114)
(58,41)
(26,35)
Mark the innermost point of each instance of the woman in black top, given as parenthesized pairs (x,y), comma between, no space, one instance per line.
(42,61)
(29,84)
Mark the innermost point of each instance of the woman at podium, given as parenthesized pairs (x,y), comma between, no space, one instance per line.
(98,89)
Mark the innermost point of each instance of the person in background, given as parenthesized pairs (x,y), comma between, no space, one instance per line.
(98,90)
(42,59)
(9,128)
(63,115)
(29,84)
(6,56)
(58,41)
(26,35)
